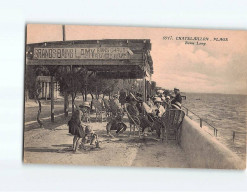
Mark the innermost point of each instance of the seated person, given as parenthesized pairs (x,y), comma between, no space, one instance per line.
(102,104)
(151,114)
(115,106)
(150,102)
(158,108)
(134,111)
(139,101)
(167,103)
(116,124)
(178,97)
(85,108)
(156,113)
(91,136)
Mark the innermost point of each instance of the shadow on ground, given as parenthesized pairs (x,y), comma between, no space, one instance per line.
(67,148)
(45,149)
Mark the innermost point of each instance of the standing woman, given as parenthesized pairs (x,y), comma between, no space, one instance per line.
(76,128)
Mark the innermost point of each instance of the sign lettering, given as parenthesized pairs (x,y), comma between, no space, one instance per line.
(83,53)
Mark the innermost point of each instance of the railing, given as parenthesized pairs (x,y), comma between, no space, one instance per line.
(234,134)
(214,128)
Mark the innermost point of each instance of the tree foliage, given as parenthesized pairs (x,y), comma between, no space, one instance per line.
(71,80)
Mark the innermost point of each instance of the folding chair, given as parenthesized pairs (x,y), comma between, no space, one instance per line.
(133,120)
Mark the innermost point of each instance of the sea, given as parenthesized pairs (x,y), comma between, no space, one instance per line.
(225,112)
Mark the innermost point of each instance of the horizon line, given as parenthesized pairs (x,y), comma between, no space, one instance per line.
(216,93)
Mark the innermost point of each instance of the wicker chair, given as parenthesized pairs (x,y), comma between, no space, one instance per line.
(172,120)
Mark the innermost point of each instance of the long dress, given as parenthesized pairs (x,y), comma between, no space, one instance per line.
(75,127)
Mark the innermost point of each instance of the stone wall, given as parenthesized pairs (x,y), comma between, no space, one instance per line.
(205,151)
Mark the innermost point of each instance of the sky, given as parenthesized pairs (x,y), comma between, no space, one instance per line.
(217,67)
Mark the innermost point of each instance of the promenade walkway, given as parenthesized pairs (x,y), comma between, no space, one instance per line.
(53,145)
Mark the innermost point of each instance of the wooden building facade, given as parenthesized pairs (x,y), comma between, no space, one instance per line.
(108,59)
(45,85)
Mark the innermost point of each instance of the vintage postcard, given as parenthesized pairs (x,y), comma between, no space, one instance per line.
(135,97)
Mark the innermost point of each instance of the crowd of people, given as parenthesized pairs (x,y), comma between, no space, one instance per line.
(154,108)
(147,113)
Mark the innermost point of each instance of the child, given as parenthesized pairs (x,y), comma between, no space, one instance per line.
(91,136)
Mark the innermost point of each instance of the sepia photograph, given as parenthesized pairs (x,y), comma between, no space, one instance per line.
(135,97)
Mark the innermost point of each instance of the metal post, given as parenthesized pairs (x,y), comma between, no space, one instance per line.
(187,112)
(200,122)
(56,89)
(52,99)
(216,132)
(233,136)
(66,98)
(66,104)
(86,91)
(45,91)
(49,90)
(64,38)
(73,94)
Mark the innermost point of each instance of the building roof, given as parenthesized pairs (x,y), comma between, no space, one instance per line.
(109,58)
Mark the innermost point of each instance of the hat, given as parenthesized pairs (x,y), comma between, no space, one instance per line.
(85,104)
(158,100)
(176,89)
(177,105)
(160,91)
(168,97)
(138,99)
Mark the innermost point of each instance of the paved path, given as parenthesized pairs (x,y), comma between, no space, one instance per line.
(54,147)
